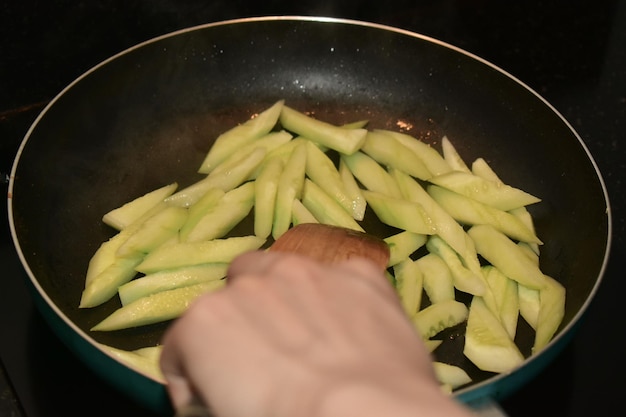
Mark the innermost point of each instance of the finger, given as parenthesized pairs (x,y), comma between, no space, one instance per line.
(254,262)
(173,369)
(181,342)
(364,270)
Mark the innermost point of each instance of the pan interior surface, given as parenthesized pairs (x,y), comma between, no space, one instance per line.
(147,118)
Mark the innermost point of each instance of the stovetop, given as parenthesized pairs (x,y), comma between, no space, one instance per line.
(570,52)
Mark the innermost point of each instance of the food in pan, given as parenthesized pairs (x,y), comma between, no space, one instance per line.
(463,245)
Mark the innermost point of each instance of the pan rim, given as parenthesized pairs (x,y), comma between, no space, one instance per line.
(470,393)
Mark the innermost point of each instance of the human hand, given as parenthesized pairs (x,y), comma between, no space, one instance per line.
(290,337)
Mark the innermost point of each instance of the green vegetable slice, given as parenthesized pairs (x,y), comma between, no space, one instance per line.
(551,312)
(409,284)
(450,375)
(321,170)
(388,151)
(290,186)
(437,317)
(154,231)
(325,208)
(434,162)
(400,213)
(105,285)
(487,343)
(452,156)
(494,194)
(136,359)
(357,201)
(232,140)
(195,253)
(438,283)
(371,174)
(199,209)
(155,308)
(128,213)
(505,298)
(464,279)
(301,214)
(471,212)
(346,141)
(227,179)
(265,190)
(170,279)
(445,226)
(222,217)
(504,254)
(403,244)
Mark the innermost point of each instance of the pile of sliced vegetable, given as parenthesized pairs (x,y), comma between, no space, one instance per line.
(457,229)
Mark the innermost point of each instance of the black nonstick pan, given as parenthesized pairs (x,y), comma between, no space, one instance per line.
(147,117)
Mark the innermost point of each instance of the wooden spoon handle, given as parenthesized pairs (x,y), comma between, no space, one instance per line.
(331,244)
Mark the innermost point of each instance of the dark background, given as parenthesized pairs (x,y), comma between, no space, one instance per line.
(573,53)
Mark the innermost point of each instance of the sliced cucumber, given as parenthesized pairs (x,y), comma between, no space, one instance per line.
(199,209)
(106,254)
(265,189)
(437,317)
(321,170)
(551,312)
(325,208)
(195,253)
(471,212)
(505,295)
(154,231)
(434,162)
(481,168)
(523,215)
(300,214)
(357,201)
(403,244)
(126,214)
(494,194)
(156,308)
(359,124)
(148,365)
(450,375)
(371,174)
(228,212)
(529,304)
(452,156)
(345,141)
(225,180)
(232,140)
(268,143)
(464,279)
(438,282)
(432,344)
(388,151)
(104,286)
(150,352)
(504,254)
(289,188)
(487,343)
(409,285)
(445,226)
(170,279)
(400,213)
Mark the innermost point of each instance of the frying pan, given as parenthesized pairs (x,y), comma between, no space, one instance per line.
(147,116)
